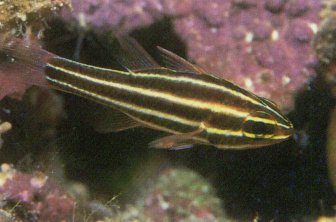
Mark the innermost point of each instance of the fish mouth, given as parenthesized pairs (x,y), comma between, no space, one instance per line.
(286,132)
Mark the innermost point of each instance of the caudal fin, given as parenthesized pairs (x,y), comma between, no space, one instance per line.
(22,63)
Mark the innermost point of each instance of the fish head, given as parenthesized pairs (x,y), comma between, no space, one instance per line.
(266,126)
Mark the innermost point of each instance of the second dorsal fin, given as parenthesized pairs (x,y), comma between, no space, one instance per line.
(175,62)
(133,57)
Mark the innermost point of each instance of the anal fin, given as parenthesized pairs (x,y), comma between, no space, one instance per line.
(176,141)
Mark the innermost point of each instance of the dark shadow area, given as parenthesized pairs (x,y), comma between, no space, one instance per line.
(30,145)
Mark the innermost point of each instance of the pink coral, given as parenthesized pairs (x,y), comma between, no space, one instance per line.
(41,197)
(129,14)
(263,45)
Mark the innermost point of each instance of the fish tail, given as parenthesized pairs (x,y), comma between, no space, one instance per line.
(22,61)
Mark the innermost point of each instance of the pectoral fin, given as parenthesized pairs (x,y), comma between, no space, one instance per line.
(111,120)
(176,141)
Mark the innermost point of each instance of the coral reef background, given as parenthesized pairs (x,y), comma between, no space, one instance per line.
(52,154)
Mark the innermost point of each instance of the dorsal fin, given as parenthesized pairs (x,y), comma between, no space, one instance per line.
(175,62)
(133,57)
(269,102)
(161,70)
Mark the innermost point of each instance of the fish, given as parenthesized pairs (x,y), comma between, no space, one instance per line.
(180,98)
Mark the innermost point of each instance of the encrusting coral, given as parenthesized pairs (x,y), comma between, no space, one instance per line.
(325,47)
(33,197)
(21,12)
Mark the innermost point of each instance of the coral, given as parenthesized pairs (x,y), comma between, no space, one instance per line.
(182,195)
(176,195)
(328,9)
(268,54)
(30,145)
(6,216)
(325,45)
(34,197)
(331,149)
(324,41)
(127,14)
(263,46)
(326,219)
(4,127)
(14,12)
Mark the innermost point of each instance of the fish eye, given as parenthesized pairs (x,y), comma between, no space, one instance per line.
(259,125)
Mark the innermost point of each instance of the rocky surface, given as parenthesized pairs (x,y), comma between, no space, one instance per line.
(20,14)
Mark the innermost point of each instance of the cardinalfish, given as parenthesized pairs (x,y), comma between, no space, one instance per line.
(179,98)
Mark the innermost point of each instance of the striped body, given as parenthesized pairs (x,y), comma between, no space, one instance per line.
(177,102)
